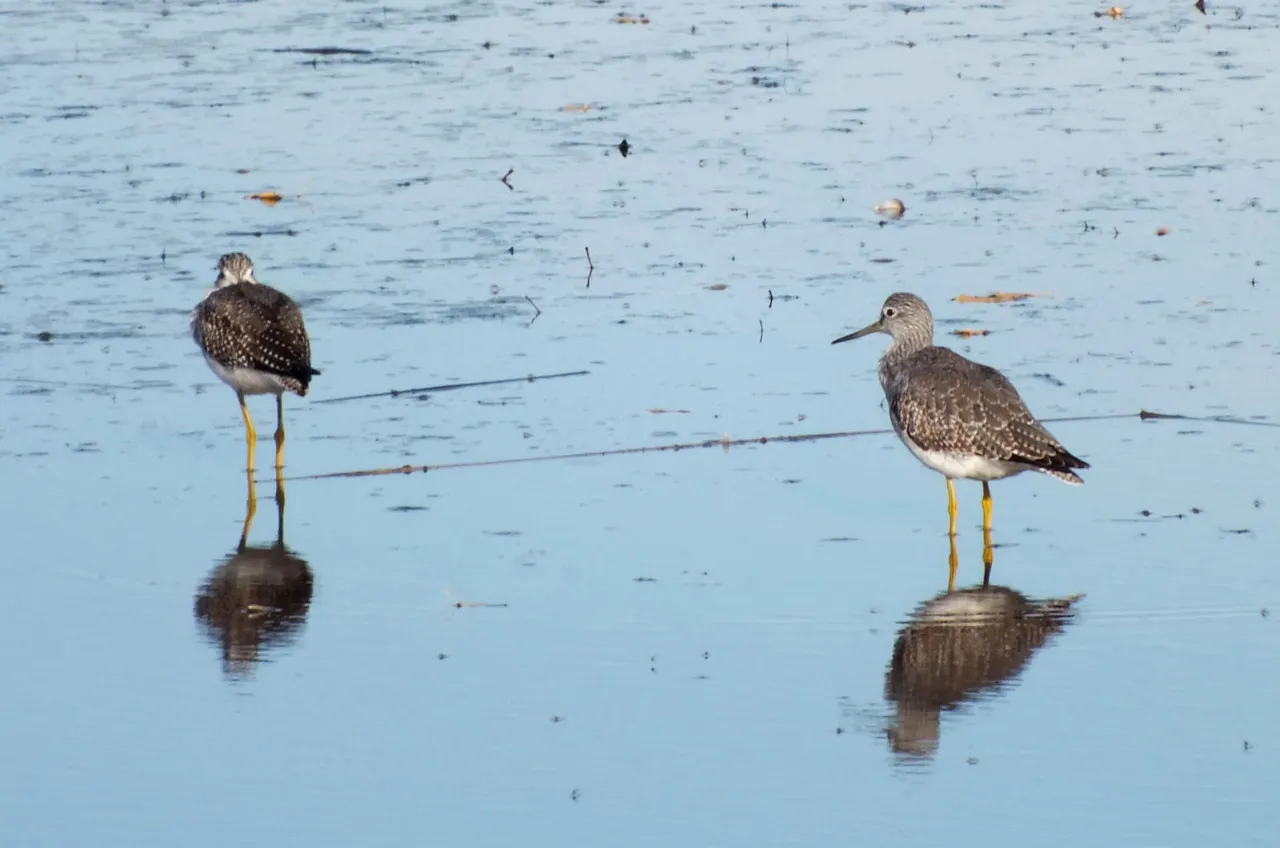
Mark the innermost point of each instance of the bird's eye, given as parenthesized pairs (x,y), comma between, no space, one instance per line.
(889,312)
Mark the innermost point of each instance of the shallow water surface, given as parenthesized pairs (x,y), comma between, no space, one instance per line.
(747,645)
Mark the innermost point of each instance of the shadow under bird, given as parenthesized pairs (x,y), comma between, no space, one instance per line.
(960,418)
(254,339)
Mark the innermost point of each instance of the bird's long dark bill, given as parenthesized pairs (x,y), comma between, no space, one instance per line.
(865,331)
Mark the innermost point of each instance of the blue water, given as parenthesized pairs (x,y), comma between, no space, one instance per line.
(688,648)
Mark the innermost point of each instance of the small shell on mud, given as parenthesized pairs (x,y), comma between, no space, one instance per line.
(890,209)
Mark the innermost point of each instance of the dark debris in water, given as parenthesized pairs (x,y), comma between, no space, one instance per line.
(1148,514)
(324,51)
(413,181)
(497,309)
(279,231)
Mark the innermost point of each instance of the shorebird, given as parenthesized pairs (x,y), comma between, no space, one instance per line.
(962,419)
(253,338)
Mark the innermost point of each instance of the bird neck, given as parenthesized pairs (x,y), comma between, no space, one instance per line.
(902,348)
(906,344)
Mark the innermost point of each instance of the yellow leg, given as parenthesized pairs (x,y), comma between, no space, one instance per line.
(954,562)
(250,435)
(250,508)
(951,507)
(279,432)
(986,506)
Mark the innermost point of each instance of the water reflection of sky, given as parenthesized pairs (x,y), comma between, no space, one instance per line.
(695,645)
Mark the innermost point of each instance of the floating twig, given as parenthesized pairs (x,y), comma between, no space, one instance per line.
(286,231)
(69,385)
(591,267)
(536,310)
(725,442)
(324,51)
(450,386)
(474,604)
(761,320)
(1208,419)
(504,179)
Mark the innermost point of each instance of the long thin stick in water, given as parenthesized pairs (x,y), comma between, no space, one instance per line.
(727,443)
(709,443)
(1213,419)
(70,385)
(532,378)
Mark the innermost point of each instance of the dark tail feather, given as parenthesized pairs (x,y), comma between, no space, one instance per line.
(303,376)
(1058,464)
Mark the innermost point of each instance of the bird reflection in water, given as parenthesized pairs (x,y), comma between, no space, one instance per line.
(258,597)
(963,646)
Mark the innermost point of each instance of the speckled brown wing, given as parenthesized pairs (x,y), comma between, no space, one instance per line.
(948,403)
(250,325)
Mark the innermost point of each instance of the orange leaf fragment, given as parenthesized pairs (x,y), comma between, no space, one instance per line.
(717,287)
(968,333)
(994,297)
(1163,231)
(1115,12)
(577,107)
(268,197)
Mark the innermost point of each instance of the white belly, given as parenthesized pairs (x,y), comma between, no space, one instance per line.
(246,380)
(965,466)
